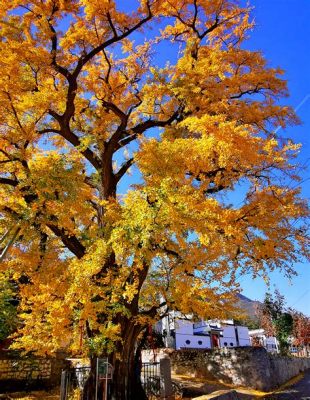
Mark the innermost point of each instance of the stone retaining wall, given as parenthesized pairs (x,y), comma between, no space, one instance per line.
(25,369)
(33,372)
(242,366)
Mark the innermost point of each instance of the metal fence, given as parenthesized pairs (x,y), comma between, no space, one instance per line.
(150,378)
(73,383)
(152,382)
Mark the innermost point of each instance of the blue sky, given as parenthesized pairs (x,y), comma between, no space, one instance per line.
(282,33)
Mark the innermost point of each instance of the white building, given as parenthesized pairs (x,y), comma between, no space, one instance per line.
(180,332)
(258,338)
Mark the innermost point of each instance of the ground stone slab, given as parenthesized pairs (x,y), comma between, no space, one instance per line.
(220,395)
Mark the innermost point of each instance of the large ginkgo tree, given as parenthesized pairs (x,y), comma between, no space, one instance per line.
(140,170)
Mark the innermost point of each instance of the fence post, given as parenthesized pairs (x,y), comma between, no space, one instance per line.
(63,386)
(165,377)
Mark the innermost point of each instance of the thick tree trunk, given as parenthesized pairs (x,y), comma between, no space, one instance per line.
(126,383)
(89,391)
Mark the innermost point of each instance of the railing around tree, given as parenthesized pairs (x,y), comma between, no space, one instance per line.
(73,383)
(153,382)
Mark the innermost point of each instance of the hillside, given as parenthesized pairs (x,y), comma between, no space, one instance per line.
(249,306)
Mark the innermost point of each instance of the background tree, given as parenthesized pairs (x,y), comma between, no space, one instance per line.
(276,320)
(265,317)
(301,331)
(84,100)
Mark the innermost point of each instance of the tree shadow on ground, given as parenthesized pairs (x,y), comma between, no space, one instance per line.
(195,387)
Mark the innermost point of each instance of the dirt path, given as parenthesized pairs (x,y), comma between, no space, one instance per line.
(39,395)
(195,387)
(297,391)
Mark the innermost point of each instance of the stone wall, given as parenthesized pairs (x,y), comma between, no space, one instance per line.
(25,369)
(32,372)
(241,366)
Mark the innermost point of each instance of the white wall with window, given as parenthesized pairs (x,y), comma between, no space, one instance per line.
(181,333)
(192,342)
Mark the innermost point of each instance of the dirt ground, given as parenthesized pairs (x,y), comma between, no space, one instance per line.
(195,387)
(41,395)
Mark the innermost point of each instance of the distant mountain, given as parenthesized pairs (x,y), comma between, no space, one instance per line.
(249,306)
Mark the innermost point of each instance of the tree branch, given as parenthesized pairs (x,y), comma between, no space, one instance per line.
(7,181)
(123,169)
(143,126)
(63,71)
(116,110)
(116,38)
(48,130)
(71,137)
(15,112)
(71,242)
(257,89)
(64,120)
(153,310)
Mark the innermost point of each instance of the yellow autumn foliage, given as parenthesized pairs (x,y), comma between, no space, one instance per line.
(87,95)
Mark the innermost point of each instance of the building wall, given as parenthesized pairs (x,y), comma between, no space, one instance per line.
(243,333)
(230,338)
(185,338)
(192,341)
(183,327)
(258,338)
(271,344)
